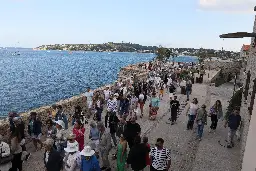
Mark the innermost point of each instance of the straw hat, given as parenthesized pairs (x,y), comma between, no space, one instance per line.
(71,136)
(87,151)
(71,147)
(61,123)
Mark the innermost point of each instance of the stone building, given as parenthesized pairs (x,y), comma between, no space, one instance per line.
(248,106)
(244,53)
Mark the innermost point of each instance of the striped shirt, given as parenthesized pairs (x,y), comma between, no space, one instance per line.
(112,105)
(160,158)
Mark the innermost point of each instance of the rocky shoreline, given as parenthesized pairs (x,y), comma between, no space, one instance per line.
(69,104)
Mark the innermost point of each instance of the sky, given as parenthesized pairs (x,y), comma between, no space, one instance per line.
(169,23)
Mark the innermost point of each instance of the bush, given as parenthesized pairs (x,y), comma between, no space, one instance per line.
(235,101)
(219,82)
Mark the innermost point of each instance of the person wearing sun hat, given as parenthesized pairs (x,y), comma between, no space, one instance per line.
(60,136)
(89,160)
(72,159)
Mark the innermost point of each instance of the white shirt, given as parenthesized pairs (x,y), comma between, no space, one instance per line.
(106,94)
(89,95)
(141,96)
(72,161)
(169,81)
(193,108)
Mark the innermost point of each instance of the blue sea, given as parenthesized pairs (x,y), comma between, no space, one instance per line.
(38,78)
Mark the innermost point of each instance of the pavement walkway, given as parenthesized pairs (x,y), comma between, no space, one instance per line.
(188,154)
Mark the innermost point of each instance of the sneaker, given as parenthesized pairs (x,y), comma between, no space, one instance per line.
(27,156)
(172,123)
(210,131)
(229,146)
(103,168)
(199,139)
(108,169)
(232,144)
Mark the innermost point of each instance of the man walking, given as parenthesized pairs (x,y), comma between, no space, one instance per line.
(201,120)
(174,108)
(160,157)
(233,121)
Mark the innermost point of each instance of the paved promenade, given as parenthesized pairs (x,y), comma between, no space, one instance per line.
(188,154)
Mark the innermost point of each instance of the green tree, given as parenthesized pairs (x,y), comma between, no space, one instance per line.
(163,54)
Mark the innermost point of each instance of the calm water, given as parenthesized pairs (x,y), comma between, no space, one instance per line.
(37,78)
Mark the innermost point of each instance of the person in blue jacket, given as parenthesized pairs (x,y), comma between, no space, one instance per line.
(89,162)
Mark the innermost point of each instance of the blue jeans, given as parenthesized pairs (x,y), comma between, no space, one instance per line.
(191,119)
(200,130)
(188,92)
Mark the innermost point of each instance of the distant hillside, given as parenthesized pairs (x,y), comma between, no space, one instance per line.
(105,47)
(132,47)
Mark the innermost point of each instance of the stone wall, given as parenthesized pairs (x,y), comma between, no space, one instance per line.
(227,68)
(69,104)
(248,103)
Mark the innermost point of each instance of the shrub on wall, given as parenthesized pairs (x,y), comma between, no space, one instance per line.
(235,101)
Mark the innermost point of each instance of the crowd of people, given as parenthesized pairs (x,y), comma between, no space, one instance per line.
(124,103)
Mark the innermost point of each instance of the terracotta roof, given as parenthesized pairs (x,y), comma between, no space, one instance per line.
(246,47)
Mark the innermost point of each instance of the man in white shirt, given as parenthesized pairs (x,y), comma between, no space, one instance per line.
(88,98)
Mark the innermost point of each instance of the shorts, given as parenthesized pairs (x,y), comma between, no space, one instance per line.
(37,137)
(141,104)
(89,104)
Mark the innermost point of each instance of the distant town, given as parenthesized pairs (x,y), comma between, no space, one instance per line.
(132,47)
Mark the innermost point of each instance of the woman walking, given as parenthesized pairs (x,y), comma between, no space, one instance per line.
(193,107)
(79,130)
(72,160)
(17,153)
(154,106)
(98,104)
(52,159)
(35,129)
(94,136)
(51,129)
(215,114)
(121,154)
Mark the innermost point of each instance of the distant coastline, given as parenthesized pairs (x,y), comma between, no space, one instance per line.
(133,47)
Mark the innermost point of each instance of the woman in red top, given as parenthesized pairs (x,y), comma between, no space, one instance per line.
(79,130)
